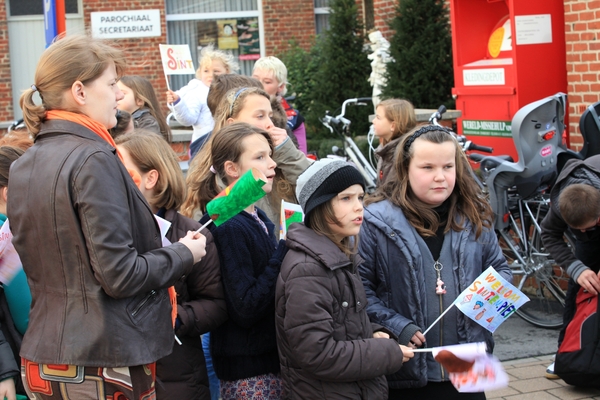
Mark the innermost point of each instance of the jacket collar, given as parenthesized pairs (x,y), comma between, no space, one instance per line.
(388,149)
(59,126)
(303,239)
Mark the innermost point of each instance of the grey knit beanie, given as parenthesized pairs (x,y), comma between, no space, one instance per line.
(323,180)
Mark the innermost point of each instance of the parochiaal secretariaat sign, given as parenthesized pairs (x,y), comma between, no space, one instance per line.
(125,24)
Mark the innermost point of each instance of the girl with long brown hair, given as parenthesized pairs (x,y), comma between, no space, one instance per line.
(427,235)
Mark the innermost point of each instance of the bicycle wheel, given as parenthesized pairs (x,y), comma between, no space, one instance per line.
(535,272)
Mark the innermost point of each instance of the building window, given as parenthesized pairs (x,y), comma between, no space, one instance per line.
(233,26)
(321,15)
(18,8)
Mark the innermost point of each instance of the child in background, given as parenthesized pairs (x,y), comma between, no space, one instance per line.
(272,73)
(251,105)
(188,104)
(427,223)
(244,348)
(15,296)
(141,102)
(393,118)
(575,207)
(327,351)
(200,299)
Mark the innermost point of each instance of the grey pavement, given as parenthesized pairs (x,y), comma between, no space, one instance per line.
(527,382)
(516,339)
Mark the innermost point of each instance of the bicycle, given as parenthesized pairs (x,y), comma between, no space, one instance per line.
(518,193)
(341,126)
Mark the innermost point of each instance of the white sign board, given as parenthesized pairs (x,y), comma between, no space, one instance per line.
(483,76)
(176,59)
(533,29)
(125,24)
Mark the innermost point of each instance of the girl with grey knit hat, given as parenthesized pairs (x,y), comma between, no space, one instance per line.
(327,348)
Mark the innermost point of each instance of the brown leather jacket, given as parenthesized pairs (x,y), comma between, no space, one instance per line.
(91,249)
(324,336)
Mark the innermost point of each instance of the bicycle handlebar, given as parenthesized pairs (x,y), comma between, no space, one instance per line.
(462,140)
(477,147)
(476,157)
(350,101)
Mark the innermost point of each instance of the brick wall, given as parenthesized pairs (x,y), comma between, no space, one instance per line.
(582,33)
(582,30)
(286,20)
(6,105)
(143,55)
(385,10)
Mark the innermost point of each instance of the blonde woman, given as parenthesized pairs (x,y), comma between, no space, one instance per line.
(90,246)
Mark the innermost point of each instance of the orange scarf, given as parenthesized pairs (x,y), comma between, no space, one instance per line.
(101,131)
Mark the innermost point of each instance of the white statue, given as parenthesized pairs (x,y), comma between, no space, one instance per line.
(379,58)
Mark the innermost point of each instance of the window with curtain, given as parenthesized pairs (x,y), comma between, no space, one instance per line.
(231,25)
(321,15)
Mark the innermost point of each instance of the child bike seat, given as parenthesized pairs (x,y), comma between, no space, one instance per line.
(537,135)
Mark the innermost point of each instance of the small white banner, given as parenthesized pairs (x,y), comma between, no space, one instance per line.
(533,29)
(125,24)
(484,76)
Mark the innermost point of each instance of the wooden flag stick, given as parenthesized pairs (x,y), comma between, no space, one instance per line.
(428,350)
(204,226)
(438,319)
(167,79)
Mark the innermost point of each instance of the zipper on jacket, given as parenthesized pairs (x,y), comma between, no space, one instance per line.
(442,333)
(150,296)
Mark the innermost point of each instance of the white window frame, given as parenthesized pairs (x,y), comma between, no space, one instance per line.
(226,15)
(321,11)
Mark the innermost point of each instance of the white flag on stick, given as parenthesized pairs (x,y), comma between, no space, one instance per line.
(470,368)
(489,300)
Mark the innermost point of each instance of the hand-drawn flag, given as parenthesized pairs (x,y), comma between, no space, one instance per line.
(490,300)
(471,368)
(290,213)
(237,196)
(176,59)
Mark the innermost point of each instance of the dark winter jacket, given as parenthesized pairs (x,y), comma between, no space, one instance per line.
(92,252)
(200,309)
(385,160)
(10,343)
(143,119)
(394,277)
(325,338)
(553,226)
(245,345)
